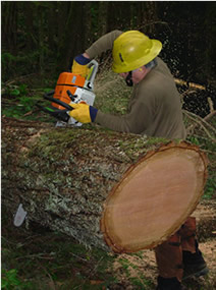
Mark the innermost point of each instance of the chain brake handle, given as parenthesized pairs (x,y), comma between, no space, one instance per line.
(93,65)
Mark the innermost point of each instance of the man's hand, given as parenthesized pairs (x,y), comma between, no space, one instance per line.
(80,65)
(83,113)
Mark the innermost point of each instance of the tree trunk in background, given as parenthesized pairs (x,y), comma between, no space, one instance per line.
(111,12)
(29,11)
(41,38)
(99,186)
(9,25)
(88,25)
(146,17)
(73,38)
(63,9)
(102,17)
(209,50)
(52,20)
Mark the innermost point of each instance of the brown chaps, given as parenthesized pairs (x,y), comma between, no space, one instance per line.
(169,254)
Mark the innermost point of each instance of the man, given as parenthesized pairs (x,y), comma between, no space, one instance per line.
(154,110)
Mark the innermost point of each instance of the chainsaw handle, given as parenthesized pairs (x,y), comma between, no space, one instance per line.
(63,104)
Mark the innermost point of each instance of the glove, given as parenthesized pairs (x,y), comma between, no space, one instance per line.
(80,65)
(83,112)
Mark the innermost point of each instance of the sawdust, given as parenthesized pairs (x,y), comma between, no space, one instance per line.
(101,88)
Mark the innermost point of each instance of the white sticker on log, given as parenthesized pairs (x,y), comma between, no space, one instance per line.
(20,216)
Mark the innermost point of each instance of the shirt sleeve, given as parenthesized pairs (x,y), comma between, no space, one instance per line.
(103,44)
(136,121)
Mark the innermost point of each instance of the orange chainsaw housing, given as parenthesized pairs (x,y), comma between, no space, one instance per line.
(67,81)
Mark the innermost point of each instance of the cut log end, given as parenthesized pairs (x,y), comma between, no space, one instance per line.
(163,187)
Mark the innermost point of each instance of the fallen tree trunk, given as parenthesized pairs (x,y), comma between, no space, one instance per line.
(106,189)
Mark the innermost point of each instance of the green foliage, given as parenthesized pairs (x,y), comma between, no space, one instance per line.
(21,90)
(11,281)
(194,140)
(208,146)
(22,105)
(137,279)
(19,101)
(210,189)
(46,258)
(20,64)
(7,57)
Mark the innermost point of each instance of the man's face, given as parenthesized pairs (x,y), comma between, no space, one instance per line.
(137,74)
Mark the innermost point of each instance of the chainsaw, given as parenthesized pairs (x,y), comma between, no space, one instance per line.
(70,88)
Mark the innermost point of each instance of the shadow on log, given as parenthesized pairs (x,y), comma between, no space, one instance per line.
(111,190)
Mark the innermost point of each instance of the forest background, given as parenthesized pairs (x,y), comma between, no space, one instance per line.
(43,37)
(39,40)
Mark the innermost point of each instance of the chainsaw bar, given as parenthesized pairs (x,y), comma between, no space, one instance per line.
(61,115)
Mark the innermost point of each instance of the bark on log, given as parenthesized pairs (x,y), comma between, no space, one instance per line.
(106,189)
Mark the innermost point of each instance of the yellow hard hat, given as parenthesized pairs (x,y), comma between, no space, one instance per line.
(132,49)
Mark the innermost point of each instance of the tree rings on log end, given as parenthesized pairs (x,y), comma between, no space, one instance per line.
(154,198)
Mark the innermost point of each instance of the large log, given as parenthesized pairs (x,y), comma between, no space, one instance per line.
(112,190)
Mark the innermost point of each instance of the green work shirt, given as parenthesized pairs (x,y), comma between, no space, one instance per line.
(154,107)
